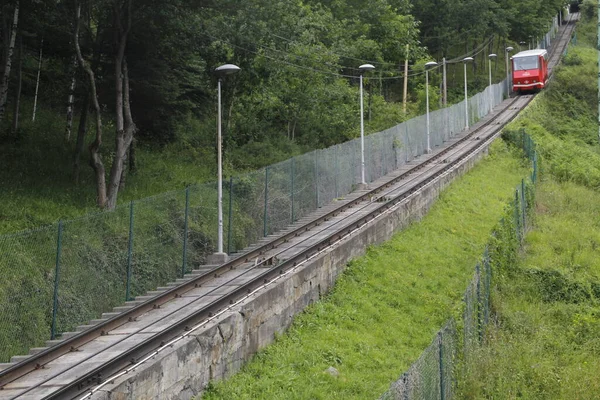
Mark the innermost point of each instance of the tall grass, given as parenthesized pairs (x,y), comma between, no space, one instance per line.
(546,338)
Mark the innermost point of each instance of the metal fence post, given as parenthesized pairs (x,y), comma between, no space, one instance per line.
(56,280)
(185,231)
(292,168)
(441,354)
(266,200)
(523,204)
(230,219)
(316,180)
(517,216)
(336,170)
(129,253)
(479,302)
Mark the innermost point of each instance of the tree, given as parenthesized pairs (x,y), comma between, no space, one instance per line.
(8,61)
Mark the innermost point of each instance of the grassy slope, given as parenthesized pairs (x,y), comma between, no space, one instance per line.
(547,339)
(388,305)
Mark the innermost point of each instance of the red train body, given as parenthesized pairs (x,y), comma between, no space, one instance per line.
(530,70)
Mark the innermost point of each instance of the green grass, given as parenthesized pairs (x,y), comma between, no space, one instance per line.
(546,340)
(388,305)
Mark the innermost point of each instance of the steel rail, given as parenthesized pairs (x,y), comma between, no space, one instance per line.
(73,343)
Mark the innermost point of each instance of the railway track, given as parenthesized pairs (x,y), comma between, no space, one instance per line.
(81,364)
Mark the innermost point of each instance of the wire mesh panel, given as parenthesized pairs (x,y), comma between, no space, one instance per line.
(93,266)
(203,224)
(279,196)
(306,197)
(348,160)
(470,320)
(158,232)
(448,359)
(328,172)
(248,217)
(422,380)
(27,268)
(417,135)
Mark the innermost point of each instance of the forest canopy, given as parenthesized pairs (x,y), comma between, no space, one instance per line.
(142,71)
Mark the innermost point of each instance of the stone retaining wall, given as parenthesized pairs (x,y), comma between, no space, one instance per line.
(223,346)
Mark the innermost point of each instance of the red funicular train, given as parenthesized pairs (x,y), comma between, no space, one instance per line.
(530,70)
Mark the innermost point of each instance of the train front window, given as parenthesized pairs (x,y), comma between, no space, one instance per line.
(525,63)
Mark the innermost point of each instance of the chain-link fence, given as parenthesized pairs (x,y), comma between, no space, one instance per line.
(429,377)
(434,374)
(66,274)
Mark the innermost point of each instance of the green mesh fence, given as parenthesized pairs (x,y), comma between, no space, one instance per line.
(92,267)
(27,268)
(109,257)
(434,373)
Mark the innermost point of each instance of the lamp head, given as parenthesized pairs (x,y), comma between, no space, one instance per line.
(467,59)
(492,56)
(366,67)
(431,64)
(226,69)
(509,49)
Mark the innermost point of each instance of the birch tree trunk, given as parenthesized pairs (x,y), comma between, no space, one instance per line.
(15,126)
(7,65)
(37,82)
(71,99)
(94,148)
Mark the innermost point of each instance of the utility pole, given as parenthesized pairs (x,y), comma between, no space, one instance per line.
(406,79)
(445,95)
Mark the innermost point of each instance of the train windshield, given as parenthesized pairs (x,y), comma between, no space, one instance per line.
(525,63)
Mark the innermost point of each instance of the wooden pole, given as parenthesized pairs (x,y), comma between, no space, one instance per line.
(406,79)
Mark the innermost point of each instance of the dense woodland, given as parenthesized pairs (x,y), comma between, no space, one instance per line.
(108,77)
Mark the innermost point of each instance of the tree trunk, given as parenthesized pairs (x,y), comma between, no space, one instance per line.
(80,138)
(71,99)
(37,82)
(94,148)
(7,65)
(130,128)
(123,122)
(15,126)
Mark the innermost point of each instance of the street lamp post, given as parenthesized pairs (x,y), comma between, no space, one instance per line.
(466,60)
(363,68)
(508,50)
(490,58)
(220,257)
(428,66)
